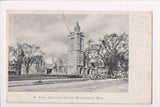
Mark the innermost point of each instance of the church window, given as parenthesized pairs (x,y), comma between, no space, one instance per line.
(72,43)
(80,44)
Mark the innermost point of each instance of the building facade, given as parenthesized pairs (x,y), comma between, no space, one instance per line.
(76,52)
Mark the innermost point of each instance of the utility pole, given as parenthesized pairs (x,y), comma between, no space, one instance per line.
(89,43)
(87,56)
(88,51)
(97,63)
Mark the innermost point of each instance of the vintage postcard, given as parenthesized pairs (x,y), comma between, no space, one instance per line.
(79,56)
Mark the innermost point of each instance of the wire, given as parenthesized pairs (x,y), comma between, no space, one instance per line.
(64,19)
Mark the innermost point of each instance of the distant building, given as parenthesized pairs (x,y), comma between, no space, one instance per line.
(53,61)
(33,70)
(58,65)
(94,63)
(61,64)
(12,68)
(49,68)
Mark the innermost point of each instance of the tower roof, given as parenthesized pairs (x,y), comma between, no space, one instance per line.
(77,27)
(77,30)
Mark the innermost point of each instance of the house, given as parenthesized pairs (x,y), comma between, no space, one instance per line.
(12,68)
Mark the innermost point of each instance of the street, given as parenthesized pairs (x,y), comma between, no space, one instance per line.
(70,85)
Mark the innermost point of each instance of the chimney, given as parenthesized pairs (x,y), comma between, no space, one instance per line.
(53,61)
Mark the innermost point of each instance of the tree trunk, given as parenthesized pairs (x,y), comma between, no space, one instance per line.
(27,69)
(19,68)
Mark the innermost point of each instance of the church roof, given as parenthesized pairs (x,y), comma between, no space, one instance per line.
(77,30)
(77,27)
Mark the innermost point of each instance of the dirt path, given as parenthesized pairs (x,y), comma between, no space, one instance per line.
(107,85)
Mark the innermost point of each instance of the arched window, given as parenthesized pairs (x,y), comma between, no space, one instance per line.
(72,43)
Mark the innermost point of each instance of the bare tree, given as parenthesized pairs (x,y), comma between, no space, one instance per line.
(10,52)
(32,53)
(16,54)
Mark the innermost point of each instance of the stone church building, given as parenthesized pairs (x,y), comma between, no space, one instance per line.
(76,51)
(76,62)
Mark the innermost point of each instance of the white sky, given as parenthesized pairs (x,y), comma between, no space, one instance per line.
(50,33)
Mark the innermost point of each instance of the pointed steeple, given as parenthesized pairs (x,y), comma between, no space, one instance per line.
(77,27)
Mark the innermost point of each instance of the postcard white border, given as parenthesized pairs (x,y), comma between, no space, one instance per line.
(139,86)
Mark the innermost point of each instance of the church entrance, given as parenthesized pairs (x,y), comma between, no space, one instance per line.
(49,71)
(80,71)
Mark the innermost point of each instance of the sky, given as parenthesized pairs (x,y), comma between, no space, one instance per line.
(49,31)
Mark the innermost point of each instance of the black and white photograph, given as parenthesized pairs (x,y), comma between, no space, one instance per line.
(68,52)
(78,52)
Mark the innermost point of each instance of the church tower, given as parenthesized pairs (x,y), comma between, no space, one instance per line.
(76,51)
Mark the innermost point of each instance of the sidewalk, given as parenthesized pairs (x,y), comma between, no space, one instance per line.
(43,82)
(75,85)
